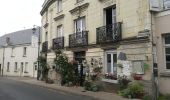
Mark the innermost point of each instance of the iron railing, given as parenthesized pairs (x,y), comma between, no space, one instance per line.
(78,39)
(58,43)
(109,33)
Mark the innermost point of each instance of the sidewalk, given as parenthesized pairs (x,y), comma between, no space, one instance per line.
(72,90)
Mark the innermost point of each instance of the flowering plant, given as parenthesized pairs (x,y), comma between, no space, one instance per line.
(111,76)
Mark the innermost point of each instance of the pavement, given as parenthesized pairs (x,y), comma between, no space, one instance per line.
(69,90)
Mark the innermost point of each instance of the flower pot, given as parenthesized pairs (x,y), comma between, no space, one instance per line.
(137,77)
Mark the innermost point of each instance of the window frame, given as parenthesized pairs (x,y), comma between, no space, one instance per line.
(165,46)
(166,7)
(82,27)
(59,31)
(24,51)
(142,67)
(8,66)
(16,67)
(59,6)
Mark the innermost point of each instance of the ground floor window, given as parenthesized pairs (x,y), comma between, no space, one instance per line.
(8,64)
(111,64)
(26,67)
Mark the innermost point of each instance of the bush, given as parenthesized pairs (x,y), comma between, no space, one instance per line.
(48,80)
(91,86)
(134,90)
(164,97)
(123,82)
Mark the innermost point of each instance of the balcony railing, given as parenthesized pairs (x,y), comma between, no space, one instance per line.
(78,39)
(109,33)
(45,46)
(58,43)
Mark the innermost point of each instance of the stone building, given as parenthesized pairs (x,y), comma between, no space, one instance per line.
(161,40)
(19,53)
(102,33)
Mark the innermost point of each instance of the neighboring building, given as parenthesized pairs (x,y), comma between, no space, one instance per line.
(19,53)
(161,28)
(102,33)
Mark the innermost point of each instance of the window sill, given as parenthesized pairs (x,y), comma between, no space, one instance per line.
(77,3)
(165,74)
(59,12)
(24,56)
(12,56)
(110,81)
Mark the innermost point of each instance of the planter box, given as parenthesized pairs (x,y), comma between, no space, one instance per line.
(110,81)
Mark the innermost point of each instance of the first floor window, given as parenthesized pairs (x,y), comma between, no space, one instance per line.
(167,51)
(8,65)
(25,51)
(59,31)
(80,24)
(59,5)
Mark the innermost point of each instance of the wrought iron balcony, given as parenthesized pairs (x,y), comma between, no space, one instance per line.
(45,46)
(58,43)
(78,39)
(109,33)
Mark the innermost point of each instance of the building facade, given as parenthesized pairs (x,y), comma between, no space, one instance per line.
(161,23)
(19,53)
(102,33)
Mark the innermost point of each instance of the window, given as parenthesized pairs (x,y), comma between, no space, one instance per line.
(8,64)
(46,36)
(12,52)
(26,65)
(25,51)
(59,5)
(167,51)
(80,24)
(138,67)
(59,31)
(111,62)
(16,67)
(22,66)
(166,4)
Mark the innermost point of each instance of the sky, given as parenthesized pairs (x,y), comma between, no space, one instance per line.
(17,15)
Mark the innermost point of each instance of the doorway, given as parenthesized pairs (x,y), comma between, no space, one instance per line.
(111,62)
(80,69)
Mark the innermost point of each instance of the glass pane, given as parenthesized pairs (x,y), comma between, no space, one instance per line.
(115,58)
(167,4)
(137,67)
(167,58)
(167,50)
(167,40)
(108,63)
(167,65)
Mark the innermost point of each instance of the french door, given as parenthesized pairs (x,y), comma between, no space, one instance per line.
(111,62)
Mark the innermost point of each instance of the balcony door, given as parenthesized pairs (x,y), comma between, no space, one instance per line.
(110,22)
(79,24)
(111,62)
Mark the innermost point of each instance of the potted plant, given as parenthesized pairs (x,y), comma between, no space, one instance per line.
(137,77)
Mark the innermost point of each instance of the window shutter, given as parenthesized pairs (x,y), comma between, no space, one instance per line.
(155,5)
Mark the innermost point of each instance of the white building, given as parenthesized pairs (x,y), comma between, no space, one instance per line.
(19,53)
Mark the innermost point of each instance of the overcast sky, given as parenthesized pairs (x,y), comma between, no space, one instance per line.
(19,14)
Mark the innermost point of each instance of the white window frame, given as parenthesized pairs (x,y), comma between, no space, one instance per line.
(59,6)
(24,51)
(112,63)
(60,31)
(165,46)
(166,4)
(82,23)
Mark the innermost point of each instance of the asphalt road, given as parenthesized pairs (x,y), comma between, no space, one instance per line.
(14,90)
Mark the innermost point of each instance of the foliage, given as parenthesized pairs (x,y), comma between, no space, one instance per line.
(123,82)
(147,97)
(164,97)
(97,70)
(146,66)
(44,68)
(48,80)
(66,69)
(111,76)
(134,90)
(91,86)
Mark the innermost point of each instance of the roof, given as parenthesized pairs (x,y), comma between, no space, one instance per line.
(19,37)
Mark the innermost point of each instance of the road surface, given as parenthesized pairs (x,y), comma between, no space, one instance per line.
(14,90)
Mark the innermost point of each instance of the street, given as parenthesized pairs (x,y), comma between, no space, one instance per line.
(14,90)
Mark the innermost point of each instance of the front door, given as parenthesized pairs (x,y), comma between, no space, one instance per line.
(80,57)
(111,63)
